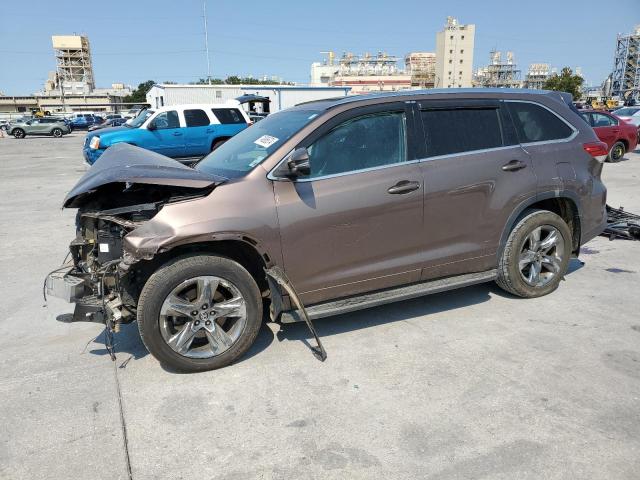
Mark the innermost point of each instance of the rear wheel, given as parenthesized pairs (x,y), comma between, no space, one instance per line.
(56,132)
(199,313)
(18,133)
(536,255)
(617,152)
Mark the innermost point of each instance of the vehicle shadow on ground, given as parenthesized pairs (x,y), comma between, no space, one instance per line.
(400,311)
(128,344)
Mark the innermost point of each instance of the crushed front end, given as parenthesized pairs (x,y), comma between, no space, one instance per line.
(99,286)
(116,196)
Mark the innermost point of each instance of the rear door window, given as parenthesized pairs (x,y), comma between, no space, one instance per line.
(228,115)
(196,118)
(456,130)
(535,123)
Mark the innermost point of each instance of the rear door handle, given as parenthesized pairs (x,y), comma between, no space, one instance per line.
(177,134)
(513,165)
(403,186)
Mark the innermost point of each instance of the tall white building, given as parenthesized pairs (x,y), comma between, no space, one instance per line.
(454,55)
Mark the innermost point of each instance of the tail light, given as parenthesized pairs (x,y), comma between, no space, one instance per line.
(597,150)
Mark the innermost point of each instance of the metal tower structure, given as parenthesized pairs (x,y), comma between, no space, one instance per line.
(625,79)
(73,63)
(499,73)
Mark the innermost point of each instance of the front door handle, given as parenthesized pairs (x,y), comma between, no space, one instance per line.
(177,134)
(403,186)
(513,165)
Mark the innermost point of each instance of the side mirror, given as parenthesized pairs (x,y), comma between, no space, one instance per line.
(152,125)
(299,163)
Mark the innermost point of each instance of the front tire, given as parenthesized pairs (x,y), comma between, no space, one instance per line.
(199,313)
(536,255)
(56,132)
(18,133)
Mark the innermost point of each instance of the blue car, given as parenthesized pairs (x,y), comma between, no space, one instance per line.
(184,131)
(83,122)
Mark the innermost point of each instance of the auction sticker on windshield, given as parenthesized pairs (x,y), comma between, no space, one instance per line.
(266,141)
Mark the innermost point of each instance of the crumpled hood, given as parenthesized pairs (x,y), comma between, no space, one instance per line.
(124,163)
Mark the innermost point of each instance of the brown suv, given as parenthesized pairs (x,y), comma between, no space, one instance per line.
(351,203)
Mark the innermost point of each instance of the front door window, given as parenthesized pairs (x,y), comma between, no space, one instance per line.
(361,143)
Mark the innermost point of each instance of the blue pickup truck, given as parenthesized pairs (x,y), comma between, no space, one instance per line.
(181,131)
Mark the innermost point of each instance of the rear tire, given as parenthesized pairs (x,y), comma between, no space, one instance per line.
(18,133)
(56,132)
(156,328)
(617,152)
(527,268)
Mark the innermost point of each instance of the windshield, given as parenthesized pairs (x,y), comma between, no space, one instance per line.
(140,119)
(626,112)
(253,145)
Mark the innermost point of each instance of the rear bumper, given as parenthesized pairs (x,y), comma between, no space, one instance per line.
(594,232)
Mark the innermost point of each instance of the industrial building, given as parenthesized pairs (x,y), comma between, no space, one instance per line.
(360,73)
(72,87)
(281,96)
(625,79)
(74,67)
(454,55)
(422,68)
(370,73)
(500,73)
(537,76)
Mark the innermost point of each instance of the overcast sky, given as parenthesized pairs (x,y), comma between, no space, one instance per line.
(137,40)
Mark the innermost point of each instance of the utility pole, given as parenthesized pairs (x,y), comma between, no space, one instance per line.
(206,40)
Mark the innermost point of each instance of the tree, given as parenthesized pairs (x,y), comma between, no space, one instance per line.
(565,82)
(139,95)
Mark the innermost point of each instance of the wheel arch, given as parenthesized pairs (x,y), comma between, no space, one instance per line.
(564,203)
(218,138)
(240,248)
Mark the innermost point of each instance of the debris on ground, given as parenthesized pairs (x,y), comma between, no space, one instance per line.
(621,224)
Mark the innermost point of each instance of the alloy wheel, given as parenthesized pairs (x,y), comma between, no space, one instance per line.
(203,317)
(541,256)
(617,152)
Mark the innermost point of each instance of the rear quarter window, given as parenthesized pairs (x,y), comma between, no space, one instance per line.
(535,123)
(458,130)
(228,115)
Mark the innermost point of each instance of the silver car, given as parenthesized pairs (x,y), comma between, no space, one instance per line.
(630,114)
(39,126)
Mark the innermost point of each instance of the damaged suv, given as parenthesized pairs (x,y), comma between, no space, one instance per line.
(329,207)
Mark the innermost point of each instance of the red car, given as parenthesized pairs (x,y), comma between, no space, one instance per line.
(620,136)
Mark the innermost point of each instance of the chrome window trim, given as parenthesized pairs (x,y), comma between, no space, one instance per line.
(470,152)
(544,142)
(271,176)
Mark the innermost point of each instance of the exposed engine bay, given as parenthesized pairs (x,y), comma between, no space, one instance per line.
(120,193)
